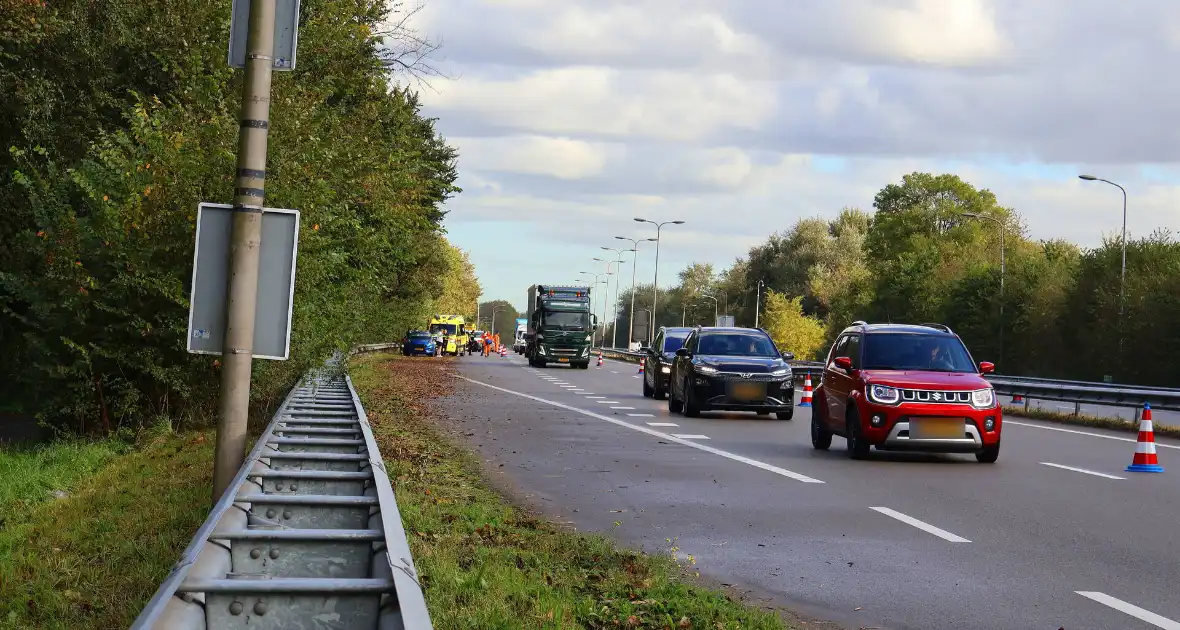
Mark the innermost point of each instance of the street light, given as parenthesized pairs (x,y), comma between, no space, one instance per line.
(606,301)
(1123,273)
(1003,230)
(635,248)
(614,328)
(758,301)
(655,283)
(596,283)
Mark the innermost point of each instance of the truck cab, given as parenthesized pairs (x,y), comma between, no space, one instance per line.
(560,326)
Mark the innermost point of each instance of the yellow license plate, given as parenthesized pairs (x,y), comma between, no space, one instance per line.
(563,360)
(936,428)
(748,391)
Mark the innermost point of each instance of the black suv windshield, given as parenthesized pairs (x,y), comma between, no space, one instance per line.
(672,343)
(910,351)
(736,344)
(567,320)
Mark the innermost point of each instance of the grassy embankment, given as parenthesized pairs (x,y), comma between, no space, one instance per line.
(89,529)
(486,564)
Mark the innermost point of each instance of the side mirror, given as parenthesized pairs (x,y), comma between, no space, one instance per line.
(844,363)
(682,352)
(593,321)
(788,356)
(986,367)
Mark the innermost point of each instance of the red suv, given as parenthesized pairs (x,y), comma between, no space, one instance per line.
(905,388)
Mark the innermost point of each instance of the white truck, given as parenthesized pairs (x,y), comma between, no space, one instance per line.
(518,342)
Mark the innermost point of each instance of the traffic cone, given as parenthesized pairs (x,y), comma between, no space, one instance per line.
(1017,399)
(640,367)
(1145,459)
(806,400)
(599,359)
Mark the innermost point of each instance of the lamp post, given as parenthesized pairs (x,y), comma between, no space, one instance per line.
(596,283)
(614,328)
(655,283)
(606,302)
(1123,273)
(758,301)
(635,265)
(1003,231)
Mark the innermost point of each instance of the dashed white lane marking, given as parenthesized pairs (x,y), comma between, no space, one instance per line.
(594,397)
(607,402)
(662,424)
(1097,435)
(1081,470)
(652,432)
(622,408)
(690,436)
(613,372)
(642,415)
(1131,609)
(926,527)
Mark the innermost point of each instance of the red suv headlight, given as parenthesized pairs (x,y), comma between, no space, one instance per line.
(983,398)
(884,394)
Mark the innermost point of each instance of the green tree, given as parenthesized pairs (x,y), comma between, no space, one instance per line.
(792,330)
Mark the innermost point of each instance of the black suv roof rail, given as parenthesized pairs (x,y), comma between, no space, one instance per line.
(942,327)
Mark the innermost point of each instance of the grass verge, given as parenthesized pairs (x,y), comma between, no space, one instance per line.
(93,557)
(486,564)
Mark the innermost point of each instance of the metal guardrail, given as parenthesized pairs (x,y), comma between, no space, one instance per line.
(308,535)
(1079,392)
(1076,392)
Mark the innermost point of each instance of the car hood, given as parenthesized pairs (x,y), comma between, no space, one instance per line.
(913,379)
(755,365)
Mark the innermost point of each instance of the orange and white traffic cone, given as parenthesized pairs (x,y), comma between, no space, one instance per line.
(599,359)
(1145,459)
(640,368)
(806,400)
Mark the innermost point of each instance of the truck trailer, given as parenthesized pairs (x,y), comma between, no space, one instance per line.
(560,326)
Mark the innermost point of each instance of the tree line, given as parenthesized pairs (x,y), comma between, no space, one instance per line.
(117,117)
(930,252)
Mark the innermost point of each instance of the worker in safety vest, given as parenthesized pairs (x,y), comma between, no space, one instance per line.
(487,344)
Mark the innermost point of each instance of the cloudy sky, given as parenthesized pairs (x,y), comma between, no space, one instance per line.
(572,117)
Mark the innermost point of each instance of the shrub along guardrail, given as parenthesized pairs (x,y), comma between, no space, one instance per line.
(308,535)
(1076,392)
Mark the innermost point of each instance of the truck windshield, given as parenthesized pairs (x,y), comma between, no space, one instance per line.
(928,353)
(566,320)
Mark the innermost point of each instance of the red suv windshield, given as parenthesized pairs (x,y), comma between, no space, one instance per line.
(910,351)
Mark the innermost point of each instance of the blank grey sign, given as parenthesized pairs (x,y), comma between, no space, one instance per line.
(276,281)
(286,33)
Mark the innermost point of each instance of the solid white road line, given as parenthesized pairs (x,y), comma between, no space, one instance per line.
(1097,435)
(926,527)
(652,432)
(1130,609)
(662,424)
(690,436)
(1081,470)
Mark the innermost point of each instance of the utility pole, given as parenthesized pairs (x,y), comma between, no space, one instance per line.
(757,302)
(245,242)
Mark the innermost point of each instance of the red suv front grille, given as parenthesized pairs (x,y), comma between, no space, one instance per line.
(936,396)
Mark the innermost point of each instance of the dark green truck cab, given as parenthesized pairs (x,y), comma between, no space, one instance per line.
(560,326)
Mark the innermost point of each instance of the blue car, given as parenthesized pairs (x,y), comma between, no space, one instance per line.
(419,342)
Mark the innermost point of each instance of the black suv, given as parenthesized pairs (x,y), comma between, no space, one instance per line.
(657,365)
(731,369)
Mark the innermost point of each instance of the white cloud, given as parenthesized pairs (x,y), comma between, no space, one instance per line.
(743,116)
(562,158)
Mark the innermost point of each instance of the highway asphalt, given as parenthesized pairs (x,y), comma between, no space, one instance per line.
(1054,535)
